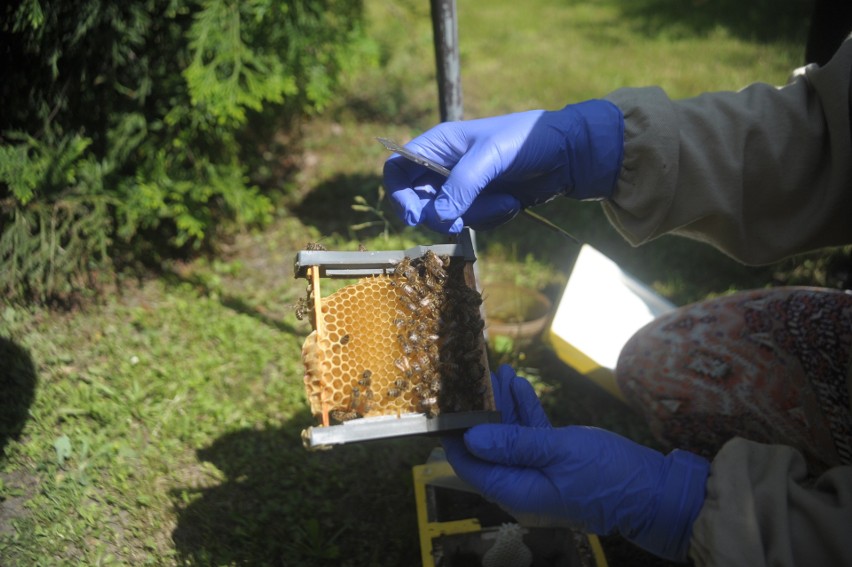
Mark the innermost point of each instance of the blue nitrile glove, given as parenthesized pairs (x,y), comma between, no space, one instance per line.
(505,163)
(594,479)
(515,399)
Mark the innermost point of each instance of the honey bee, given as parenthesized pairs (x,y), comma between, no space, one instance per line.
(401,384)
(393,393)
(407,349)
(343,415)
(344,339)
(422,359)
(432,351)
(365,379)
(302,308)
(405,269)
(409,290)
(434,266)
(402,364)
(410,306)
(315,246)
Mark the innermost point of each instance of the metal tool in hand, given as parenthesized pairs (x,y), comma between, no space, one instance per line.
(438,168)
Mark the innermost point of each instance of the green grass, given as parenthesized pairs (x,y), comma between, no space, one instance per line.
(160,425)
(165,428)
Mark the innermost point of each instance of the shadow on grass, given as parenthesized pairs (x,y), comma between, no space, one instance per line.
(280,504)
(17,390)
(229,301)
(328,206)
(765,21)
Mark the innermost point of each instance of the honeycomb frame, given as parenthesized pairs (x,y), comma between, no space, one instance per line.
(358,363)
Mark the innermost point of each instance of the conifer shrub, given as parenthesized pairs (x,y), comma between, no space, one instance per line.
(121,123)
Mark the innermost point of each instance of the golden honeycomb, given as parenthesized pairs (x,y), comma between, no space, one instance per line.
(407,341)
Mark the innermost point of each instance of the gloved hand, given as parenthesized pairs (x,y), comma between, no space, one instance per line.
(516,400)
(502,164)
(597,480)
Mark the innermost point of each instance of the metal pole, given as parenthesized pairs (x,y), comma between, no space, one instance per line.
(445,32)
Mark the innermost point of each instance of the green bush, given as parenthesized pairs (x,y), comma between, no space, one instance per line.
(124,124)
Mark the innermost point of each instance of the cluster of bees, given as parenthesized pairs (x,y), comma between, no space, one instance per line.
(438,330)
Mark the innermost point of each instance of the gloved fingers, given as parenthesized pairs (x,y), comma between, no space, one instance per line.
(408,205)
(516,399)
(530,411)
(507,485)
(478,167)
(444,144)
(409,188)
(517,446)
(466,466)
(491,210)
(504,402)
(520,490)
(431,220)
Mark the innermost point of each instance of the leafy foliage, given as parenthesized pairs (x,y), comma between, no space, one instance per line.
(134,115)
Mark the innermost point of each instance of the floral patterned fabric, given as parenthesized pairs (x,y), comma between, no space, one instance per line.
(772,366)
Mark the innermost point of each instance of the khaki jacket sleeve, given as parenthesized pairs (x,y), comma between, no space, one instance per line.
(762,509)
(761,174)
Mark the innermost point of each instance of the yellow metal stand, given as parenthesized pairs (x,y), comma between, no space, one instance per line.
(430,528)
